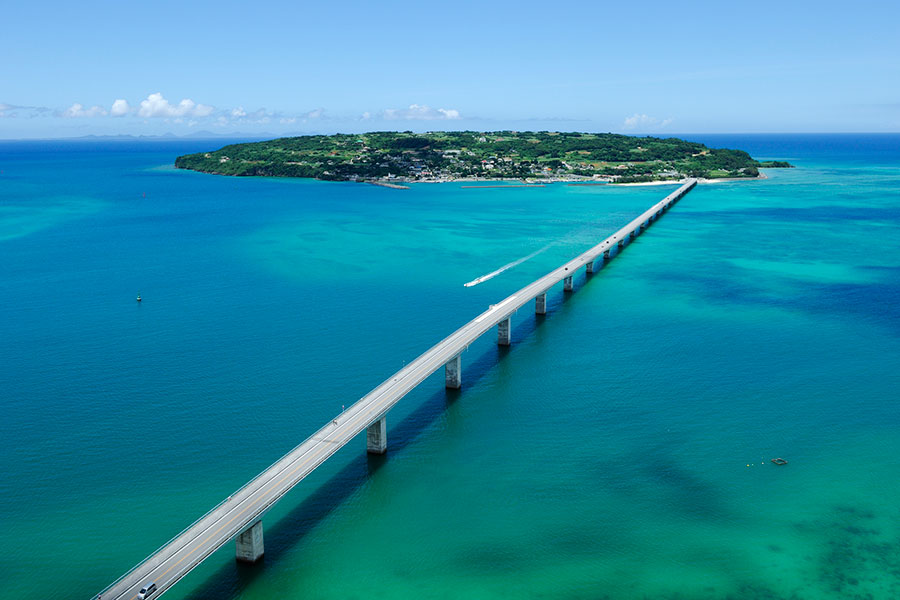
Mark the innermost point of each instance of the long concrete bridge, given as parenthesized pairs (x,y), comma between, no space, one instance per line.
(238,516)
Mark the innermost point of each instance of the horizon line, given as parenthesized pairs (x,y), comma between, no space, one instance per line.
(269,135)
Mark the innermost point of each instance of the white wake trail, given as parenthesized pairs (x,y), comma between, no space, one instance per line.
(519,261)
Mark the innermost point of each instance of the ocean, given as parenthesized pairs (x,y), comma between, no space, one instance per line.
(620,448)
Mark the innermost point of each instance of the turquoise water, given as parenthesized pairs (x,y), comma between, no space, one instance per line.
(619,449)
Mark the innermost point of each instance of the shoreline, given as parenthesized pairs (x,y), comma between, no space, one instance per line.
(403,184)
(491,182)
(700,180)
(757,178)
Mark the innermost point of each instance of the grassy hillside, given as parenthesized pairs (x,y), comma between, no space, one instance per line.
(445,156)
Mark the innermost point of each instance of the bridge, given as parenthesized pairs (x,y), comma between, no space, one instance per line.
(239,516)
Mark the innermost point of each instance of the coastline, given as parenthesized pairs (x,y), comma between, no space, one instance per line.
(403,184)
(700,180)
(724,179)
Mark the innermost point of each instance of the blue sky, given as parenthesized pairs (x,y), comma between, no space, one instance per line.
(71,69)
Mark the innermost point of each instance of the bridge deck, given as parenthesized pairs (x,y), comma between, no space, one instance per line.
(177,557)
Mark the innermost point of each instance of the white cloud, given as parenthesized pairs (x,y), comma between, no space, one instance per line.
(120,108)
(261,116)
(13,111)
(644,122)
(157,106)
(416,112)
(239,114)
(77,111)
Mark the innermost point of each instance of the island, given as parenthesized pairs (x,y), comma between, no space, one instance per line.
(395,158)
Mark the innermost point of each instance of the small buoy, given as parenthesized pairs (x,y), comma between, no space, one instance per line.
(138,297)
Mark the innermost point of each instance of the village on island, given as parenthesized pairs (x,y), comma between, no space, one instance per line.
(396,158)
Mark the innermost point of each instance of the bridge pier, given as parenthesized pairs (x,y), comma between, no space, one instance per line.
(453,373)
(631,235)
(540,304)
(376,437)
(503,332)
(249,544)
(190,548)
(589,267)
(567,284)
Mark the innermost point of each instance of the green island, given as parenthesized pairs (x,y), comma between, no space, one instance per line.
(399,157)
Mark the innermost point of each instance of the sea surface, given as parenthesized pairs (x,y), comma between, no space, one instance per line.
(619,449)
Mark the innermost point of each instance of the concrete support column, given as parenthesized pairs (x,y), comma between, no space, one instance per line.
(567,284)
(249,544)
(376,437)
(453,372)
(606,255)
(540,304)
(631,235)
(503,336)
(621,244)
(589,268)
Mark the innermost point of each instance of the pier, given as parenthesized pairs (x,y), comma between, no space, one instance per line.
(239,516)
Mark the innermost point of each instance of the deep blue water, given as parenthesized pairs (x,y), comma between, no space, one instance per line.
(619,449)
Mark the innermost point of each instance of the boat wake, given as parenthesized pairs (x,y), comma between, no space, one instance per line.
(493,274)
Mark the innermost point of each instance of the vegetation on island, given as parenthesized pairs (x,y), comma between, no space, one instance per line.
(457,155)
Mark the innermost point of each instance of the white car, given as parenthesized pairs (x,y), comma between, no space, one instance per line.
(147,591)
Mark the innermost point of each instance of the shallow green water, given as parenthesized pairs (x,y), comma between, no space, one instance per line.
(620,448)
